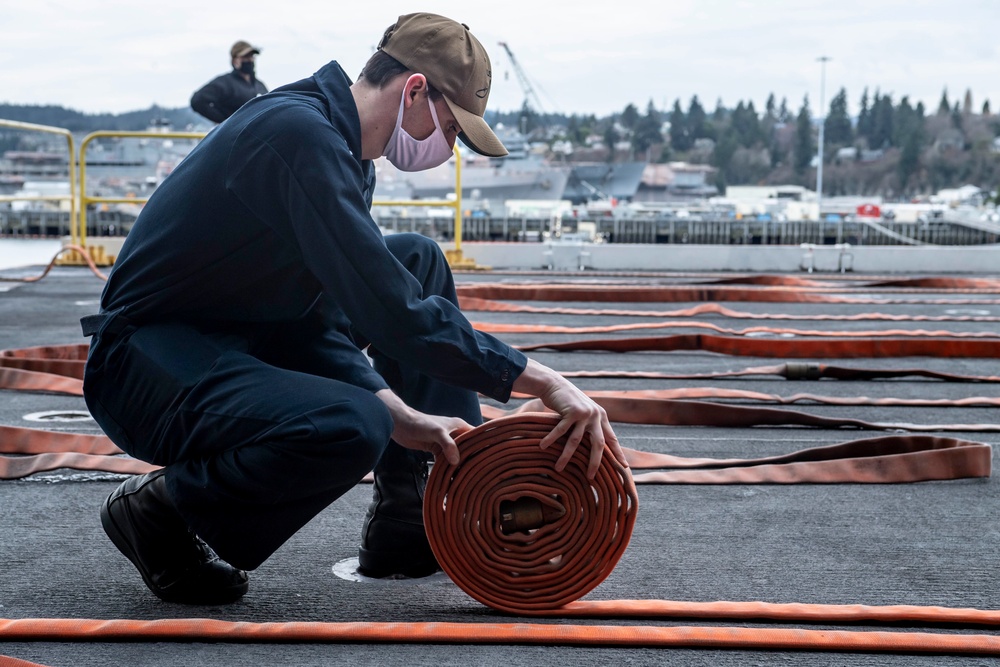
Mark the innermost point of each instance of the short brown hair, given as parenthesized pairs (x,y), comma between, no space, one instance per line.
(382,68)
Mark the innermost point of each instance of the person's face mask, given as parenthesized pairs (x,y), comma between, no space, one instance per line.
(246,67)
(409,154)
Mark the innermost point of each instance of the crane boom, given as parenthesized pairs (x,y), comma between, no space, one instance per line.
(529,92)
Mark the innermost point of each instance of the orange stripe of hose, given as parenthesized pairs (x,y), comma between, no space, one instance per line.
(16,440)
(770,611)
(499,327)
(794,372)
(558,562)
(68,360)
(7,661)
(721,393)
(471,303)
(676,412)
(22,380)
(788,348)
(680,293)
(55,629)
(16,467)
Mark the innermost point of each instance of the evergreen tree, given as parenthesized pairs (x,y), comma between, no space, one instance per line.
(909,134)
(944,107)
(745,125)
(909,159)
(882,112)
(784,115)
(630,116)
(647,130)
(865,124)
(904,122)
(610,139)
(967,102)
(986,107)
(574,131)
(770,108)
(804,147)
(696,118)
(956,117)
(753,125)
(680,137)
(719,115)
(837,128)
(722,157)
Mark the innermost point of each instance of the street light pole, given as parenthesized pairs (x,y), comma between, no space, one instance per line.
(822,126)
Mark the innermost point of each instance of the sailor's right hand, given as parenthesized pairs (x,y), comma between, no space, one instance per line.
(423,432)
(581,416)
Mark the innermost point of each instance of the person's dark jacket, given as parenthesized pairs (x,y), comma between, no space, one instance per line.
(267,224)
(218,99)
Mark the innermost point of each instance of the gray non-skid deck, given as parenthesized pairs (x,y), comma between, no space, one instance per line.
(931,543)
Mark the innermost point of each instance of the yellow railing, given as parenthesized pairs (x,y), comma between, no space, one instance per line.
(455,257)
(79,204)
(86,200)
(71,197)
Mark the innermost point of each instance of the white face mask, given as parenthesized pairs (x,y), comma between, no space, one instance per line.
(409,154)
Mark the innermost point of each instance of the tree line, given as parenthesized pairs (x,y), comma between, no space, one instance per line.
(893,148)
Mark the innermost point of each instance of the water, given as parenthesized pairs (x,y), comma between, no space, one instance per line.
(18,253)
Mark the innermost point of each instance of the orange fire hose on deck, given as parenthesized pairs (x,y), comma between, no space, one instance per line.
(504,634)
(524,539)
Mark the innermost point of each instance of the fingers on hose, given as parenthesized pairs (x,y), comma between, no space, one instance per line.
(616,448)
(598,439)
(556,433)
(572,442)
(459,426)
(449,450)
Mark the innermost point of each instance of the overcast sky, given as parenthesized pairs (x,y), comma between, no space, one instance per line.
(581,57)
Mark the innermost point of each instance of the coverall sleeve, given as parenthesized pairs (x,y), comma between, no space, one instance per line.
(295,171)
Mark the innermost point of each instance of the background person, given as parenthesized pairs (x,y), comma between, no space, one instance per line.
(218,99)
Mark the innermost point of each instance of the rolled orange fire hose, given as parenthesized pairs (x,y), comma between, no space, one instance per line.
(556,557)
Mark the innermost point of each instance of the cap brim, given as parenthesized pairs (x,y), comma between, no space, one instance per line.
(476,133)
(246,52)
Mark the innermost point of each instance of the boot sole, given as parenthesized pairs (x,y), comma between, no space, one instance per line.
(379,565)
(117,537)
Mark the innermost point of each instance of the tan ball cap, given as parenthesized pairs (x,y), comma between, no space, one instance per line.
(456,64)
(242,48)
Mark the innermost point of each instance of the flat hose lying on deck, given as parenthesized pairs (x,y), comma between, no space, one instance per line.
(524,539)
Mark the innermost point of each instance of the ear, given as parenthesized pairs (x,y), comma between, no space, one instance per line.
(416,84)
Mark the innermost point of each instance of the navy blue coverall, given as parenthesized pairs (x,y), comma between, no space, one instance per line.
(230,349)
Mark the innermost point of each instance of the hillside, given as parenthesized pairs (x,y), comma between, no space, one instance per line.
(891,149)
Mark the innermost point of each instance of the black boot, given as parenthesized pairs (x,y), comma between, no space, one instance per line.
(175,564)
(393,541)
